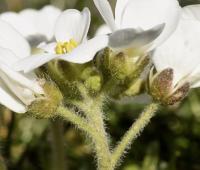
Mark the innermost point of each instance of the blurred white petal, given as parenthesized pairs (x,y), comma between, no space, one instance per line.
(131,38)
(103,30)
(12,40)
(24,94)
(21,22)
(119,11)
(21,80)
(106,11)
(146,14)
(181,51)
(32,62)
(8,57)
(11,102)
(46,20)
(31,22)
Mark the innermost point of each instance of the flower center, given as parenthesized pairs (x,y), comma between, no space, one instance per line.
(65,47)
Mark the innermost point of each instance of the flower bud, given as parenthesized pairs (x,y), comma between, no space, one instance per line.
(93,84)
(121,66)
(46,106)
(87,72)
(162,90)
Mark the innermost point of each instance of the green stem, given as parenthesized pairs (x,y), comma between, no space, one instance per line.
(75,119)
(58,145)
(95,116)
(93,125)
(133,132)
(101,143)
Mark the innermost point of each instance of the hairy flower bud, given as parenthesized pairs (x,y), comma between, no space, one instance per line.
(121,66)
(93,83)
(162,90)
(46,107)
(124,67)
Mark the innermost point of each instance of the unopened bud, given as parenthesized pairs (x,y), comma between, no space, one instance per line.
(87,72)
(124,67)
(46,106)
(162,90)
(121,66)
(93,83)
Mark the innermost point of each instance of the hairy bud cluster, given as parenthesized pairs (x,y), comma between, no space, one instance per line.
(46,107)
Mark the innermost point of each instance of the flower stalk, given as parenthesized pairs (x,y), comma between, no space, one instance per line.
(93,125)
(134,131)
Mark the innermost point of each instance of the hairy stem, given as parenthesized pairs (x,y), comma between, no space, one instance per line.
(95,117)
(133,132)
(75,119)
(100,139)
(58,145)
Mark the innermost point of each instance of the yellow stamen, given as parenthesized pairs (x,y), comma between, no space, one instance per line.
(59,48)
(65,47)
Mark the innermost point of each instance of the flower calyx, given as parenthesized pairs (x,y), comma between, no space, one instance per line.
(162,90)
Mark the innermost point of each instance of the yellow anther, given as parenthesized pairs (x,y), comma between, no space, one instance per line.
(65,47)
(73,43)
(59,48)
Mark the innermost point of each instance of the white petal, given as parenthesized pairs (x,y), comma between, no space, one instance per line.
(103,29)
(49,48)
(73,24)
(131,38)
(31,22)
(191,12)
(32,62)
(12,40)
(20,79)
(86,51)
(22,22)
(10,101)
(106,11)
(7,57)
(119,11)
(46,20)
(25,95)
(146,14)
(181,51)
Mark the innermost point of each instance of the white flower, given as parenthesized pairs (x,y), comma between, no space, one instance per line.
(71,44)
(143,17)
(181,53)
(17,90)
(34,24)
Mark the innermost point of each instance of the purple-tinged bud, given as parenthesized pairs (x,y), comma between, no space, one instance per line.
(162,90)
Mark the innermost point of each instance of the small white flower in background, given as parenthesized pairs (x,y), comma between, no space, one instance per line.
(35,25)
(145,20)
(17,90)
(71,44)
(181,53)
